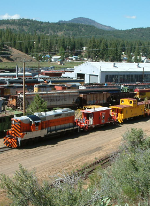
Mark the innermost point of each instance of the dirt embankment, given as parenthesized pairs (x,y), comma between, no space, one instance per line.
(15,55)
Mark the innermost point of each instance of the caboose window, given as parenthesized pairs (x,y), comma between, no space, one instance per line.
(122,101)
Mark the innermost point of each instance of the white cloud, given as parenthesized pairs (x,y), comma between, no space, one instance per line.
(7,16)
(130,17)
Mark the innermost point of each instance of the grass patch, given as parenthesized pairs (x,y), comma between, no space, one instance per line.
(12,65)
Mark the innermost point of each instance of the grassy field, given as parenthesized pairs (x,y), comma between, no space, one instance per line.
(12,65)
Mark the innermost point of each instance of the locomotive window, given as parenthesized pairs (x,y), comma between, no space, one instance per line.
(57,115)
(36,123)
(130,102)
(122,101)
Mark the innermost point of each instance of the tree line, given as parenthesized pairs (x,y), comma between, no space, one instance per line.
(98,49)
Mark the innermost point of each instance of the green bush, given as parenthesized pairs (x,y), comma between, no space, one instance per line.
(65,190)
(127,180)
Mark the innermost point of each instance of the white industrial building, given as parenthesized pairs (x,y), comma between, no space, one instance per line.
(103,72)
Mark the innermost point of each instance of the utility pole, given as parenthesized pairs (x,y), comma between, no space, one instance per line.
(24,88)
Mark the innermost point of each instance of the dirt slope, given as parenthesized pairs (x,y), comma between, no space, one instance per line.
(16,56)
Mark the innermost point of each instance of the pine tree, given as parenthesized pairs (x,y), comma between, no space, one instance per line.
(37,105)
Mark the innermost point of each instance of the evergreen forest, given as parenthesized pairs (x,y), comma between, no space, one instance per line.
(43,38)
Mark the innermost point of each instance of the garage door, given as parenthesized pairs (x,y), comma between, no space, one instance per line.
(93,78)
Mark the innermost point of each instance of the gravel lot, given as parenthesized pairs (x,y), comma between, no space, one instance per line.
(70,152)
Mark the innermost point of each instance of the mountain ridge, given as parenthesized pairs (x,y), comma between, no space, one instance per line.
(87,21)
(76,30)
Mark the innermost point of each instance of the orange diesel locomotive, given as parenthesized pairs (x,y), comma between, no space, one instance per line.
(38,125)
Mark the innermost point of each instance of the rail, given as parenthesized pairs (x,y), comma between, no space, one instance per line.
(4,149)
(103,162)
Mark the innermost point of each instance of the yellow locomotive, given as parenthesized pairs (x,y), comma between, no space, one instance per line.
(129,108)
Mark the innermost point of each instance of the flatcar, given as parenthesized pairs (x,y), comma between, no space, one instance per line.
(39,125)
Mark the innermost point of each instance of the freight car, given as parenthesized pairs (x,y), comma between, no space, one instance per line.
(5,119)
(102,98)
(70,98)
(13,89)
(28,81)
(43,87)
(39,125)
(54,99)
(142,93)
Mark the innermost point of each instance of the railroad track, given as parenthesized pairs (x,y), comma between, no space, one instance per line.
(103,162)
(86,171)
(4,149)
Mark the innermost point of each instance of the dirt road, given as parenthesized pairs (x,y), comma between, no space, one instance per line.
(68,153)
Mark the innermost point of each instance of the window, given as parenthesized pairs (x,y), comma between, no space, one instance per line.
(36,123)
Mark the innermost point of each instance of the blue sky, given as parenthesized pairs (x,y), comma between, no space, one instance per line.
(115,13)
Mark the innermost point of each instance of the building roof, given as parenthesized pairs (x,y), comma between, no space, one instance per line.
(110,66)
(56,57)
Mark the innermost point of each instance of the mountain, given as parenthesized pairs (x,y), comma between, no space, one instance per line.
(87,21)
(76,30)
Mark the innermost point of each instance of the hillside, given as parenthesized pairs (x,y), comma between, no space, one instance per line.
(77,30)
(87,21)
(16,56)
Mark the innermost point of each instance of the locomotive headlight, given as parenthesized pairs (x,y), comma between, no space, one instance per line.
(12,121)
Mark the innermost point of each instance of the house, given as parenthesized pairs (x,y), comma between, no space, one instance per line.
(55,58)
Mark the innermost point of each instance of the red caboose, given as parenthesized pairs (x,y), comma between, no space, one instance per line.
(94,118)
